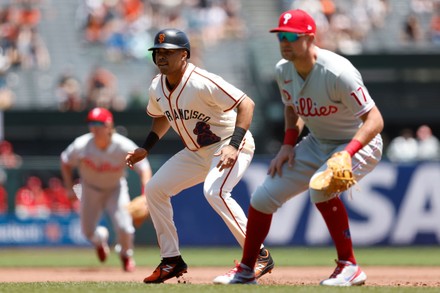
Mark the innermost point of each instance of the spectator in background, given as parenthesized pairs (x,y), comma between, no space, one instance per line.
(435,24)
(328,8)
(403,148)
(8,158)
(7,96)
(60,204)
(412,31)
(97,16)
(428,144)
(32,49)
(68,94)
(31,202)
(101,90)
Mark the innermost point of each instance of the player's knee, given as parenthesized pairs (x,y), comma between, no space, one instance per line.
(150,187)
(263,202)
(155,191)
(318,196)
(211,193)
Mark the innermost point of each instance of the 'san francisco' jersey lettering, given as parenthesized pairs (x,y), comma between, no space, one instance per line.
(200,109)
(187,115)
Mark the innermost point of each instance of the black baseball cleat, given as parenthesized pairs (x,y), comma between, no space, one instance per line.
(168,268)
(264,263)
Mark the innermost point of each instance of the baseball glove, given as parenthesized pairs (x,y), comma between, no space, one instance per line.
(138,209)
(338,176)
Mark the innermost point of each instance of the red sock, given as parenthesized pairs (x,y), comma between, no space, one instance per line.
(257,228)
(336,218)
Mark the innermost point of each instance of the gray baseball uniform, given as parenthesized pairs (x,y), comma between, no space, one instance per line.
(104,185)
(330,102)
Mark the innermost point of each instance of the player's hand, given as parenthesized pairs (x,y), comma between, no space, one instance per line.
(284,154)
(135,156)
(228,155)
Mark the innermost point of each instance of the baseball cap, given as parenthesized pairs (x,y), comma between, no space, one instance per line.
(100,115)
(295,21)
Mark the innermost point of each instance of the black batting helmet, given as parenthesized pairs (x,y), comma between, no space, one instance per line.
(170,38)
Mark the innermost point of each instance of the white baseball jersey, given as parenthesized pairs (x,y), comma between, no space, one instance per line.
(333,89)
(199,109)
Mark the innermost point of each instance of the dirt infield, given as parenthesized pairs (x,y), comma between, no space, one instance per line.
(377,276)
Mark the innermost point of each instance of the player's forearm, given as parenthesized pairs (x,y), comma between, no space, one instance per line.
(158,129)
(243,121)
(291,120)
(245,113)
(66,174)
(373,125)
(160,126)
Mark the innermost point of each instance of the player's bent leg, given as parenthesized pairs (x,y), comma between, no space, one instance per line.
(230,212)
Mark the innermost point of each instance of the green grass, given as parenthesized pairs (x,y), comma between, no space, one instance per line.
(220,256)
(149,256)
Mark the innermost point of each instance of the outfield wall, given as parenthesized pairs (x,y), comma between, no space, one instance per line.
(394,205)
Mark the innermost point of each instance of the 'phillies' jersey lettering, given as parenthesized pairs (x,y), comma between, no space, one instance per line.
(305,107)
(186,115)
(105,167)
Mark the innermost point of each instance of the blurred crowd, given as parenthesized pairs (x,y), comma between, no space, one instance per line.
(125,27)
(35,199)
(21,45)
(124,30)
(413,30)
(346,24)
(410,146)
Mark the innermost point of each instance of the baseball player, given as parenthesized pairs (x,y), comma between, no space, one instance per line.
(325,92)
(200,107)
(99,157)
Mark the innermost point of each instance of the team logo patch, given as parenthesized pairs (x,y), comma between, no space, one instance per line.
(161,38)
(286,17)
(204,134)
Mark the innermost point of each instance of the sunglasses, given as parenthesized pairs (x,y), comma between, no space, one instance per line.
(96,123)
(290,37)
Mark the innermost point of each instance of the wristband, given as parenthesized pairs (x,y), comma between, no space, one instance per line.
(237,137)
(290,136)
(353,147)
(150,141)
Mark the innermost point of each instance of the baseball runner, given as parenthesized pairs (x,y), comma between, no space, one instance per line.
(200,107)
(99,157)
(323,91)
